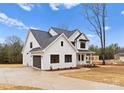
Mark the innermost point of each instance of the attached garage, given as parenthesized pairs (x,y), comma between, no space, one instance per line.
(37,61)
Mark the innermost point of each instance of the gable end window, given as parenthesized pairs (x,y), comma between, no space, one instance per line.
(82,45)
(61,43)
(68,58)
(31,45)
(54,58)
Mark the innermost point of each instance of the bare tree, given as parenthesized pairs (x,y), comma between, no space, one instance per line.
(95,15)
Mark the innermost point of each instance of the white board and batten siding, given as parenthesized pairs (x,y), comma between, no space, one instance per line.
(27,58)
(56,48)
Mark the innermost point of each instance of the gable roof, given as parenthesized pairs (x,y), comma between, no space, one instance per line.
(86,39)
(68,33)
(43,38)
(64,36)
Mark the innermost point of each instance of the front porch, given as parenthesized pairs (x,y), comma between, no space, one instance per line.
(84,57)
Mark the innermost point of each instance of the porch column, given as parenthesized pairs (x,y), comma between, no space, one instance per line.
(80,58)
(91,61)
(85,60)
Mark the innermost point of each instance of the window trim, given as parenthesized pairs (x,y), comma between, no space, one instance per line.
(70,59)
(51,62)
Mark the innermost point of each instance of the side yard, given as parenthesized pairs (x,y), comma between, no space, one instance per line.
(107,74)
(11,65)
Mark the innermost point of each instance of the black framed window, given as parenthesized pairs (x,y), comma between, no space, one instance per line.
(54,58)
(82,45)
(82,57)
(61,43)
(68,58)
(31,45)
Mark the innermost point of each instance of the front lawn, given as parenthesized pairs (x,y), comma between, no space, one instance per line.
(108,74)
(14,87)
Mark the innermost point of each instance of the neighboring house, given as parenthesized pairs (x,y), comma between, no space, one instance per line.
(119,57)
(57,48)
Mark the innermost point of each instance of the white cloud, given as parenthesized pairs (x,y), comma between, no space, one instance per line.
(4,19)
(55,6)
(122,12)
(33,28)
(1,40)
(90,35)
(107,28)
(70,5)
(26,6)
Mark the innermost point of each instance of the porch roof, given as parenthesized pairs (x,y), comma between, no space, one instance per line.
(35,49)
(86,51)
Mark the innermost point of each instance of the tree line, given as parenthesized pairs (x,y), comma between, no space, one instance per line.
(110,50)
(10,50)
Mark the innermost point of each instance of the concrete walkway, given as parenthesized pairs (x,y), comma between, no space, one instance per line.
(47,80)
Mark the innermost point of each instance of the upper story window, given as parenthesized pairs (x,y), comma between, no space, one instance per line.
(61,43)
(82,45)
(31,45)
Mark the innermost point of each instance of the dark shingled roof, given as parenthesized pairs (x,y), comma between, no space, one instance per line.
(43,37)
(35,49)
(60,31)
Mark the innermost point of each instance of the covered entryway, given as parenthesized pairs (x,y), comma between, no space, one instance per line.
(84,57)
(37,61)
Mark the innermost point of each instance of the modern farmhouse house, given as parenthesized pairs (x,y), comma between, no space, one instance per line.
(57,48)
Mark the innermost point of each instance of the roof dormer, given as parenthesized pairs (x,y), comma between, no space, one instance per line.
(52,32)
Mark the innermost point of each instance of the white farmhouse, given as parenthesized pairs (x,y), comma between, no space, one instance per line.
(57,48)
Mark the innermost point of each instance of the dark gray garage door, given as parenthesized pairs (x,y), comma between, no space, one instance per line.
(37,61)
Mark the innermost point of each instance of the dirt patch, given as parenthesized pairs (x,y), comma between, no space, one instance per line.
(14,87)
(11,65)
(111,75)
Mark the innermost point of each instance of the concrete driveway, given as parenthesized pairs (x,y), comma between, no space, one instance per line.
(26,76)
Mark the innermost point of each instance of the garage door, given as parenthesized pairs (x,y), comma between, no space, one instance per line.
(37,61)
